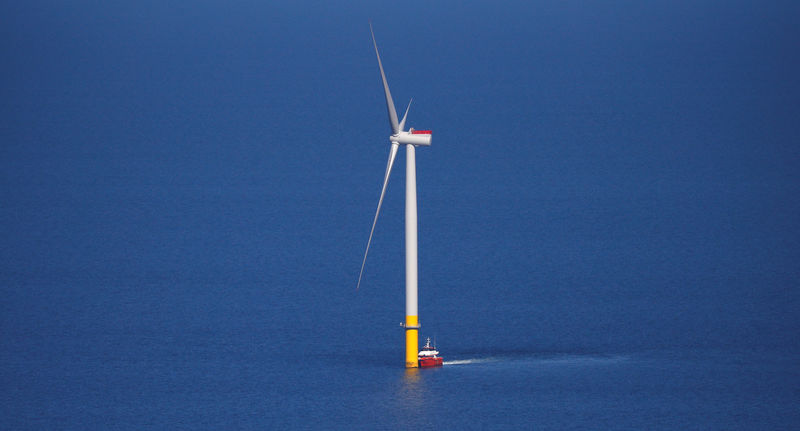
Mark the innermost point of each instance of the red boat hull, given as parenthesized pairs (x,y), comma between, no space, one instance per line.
(430,362)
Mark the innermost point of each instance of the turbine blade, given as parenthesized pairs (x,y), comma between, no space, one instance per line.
(392,154)
(389,101)
(403,121)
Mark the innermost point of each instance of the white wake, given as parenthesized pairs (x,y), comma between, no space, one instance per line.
(468,361)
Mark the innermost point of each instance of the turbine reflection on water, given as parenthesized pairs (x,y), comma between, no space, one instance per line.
(412,388)
(411,399)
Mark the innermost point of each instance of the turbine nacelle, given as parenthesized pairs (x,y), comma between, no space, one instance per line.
(412,137)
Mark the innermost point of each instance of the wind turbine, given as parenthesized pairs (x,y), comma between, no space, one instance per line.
(410,139)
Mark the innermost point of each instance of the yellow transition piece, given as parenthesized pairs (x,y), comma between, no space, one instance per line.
(412,342)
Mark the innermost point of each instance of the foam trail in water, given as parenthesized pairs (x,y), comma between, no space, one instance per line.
(560,359)
(468,361)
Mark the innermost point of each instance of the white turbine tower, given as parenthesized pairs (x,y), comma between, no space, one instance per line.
(410,139)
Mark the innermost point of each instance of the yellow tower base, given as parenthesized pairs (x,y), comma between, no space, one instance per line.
(412,341)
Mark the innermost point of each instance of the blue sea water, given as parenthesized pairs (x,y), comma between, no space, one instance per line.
(608,214)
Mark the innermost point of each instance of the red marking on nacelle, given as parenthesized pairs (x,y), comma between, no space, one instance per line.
(422,132)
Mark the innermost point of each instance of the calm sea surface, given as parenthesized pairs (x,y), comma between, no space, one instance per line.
(608,234)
